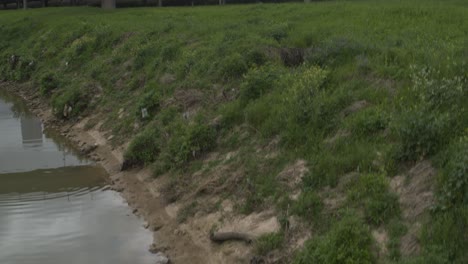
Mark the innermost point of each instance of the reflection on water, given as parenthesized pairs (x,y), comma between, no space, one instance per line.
(56,208)
(67,216)
(31,132)
(23,146)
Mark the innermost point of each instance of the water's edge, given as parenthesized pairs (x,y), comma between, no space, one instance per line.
(55,204)
(143,198)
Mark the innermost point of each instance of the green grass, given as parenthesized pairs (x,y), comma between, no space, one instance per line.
(371,192)
(268,242)
(349,241)
(273,71)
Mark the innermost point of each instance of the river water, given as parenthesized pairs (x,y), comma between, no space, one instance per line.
(55,208)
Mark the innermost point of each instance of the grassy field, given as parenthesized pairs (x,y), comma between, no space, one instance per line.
(366,88)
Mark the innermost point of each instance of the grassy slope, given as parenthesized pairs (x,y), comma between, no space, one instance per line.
(287,72)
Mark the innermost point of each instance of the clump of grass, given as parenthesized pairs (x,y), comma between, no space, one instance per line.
(257,82)
(184,213)
(434,113)
(308,206)
(333,51)
(188,142)
(330,164)
(233,66)
(75,97)
(256,57)
(422,133)
(396,229)
(279,31)
(371,190)
(348,241)
(453,180)
(304,93)
(444,237)
(269,242)
(259,187)
(48,82)
(149,101)
(367,122)
(181,144)
(167,115)
(145,147)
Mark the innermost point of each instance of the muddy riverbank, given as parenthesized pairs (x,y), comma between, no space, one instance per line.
(145,199)
(181,243)
(55,205)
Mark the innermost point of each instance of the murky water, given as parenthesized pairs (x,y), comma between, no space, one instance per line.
(55,208)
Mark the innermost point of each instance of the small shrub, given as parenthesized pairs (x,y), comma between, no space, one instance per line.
(279,31)
(145,147)
(269,242)
(349,241)
(302,95)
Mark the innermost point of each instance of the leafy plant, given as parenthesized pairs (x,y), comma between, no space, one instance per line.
(303,94)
